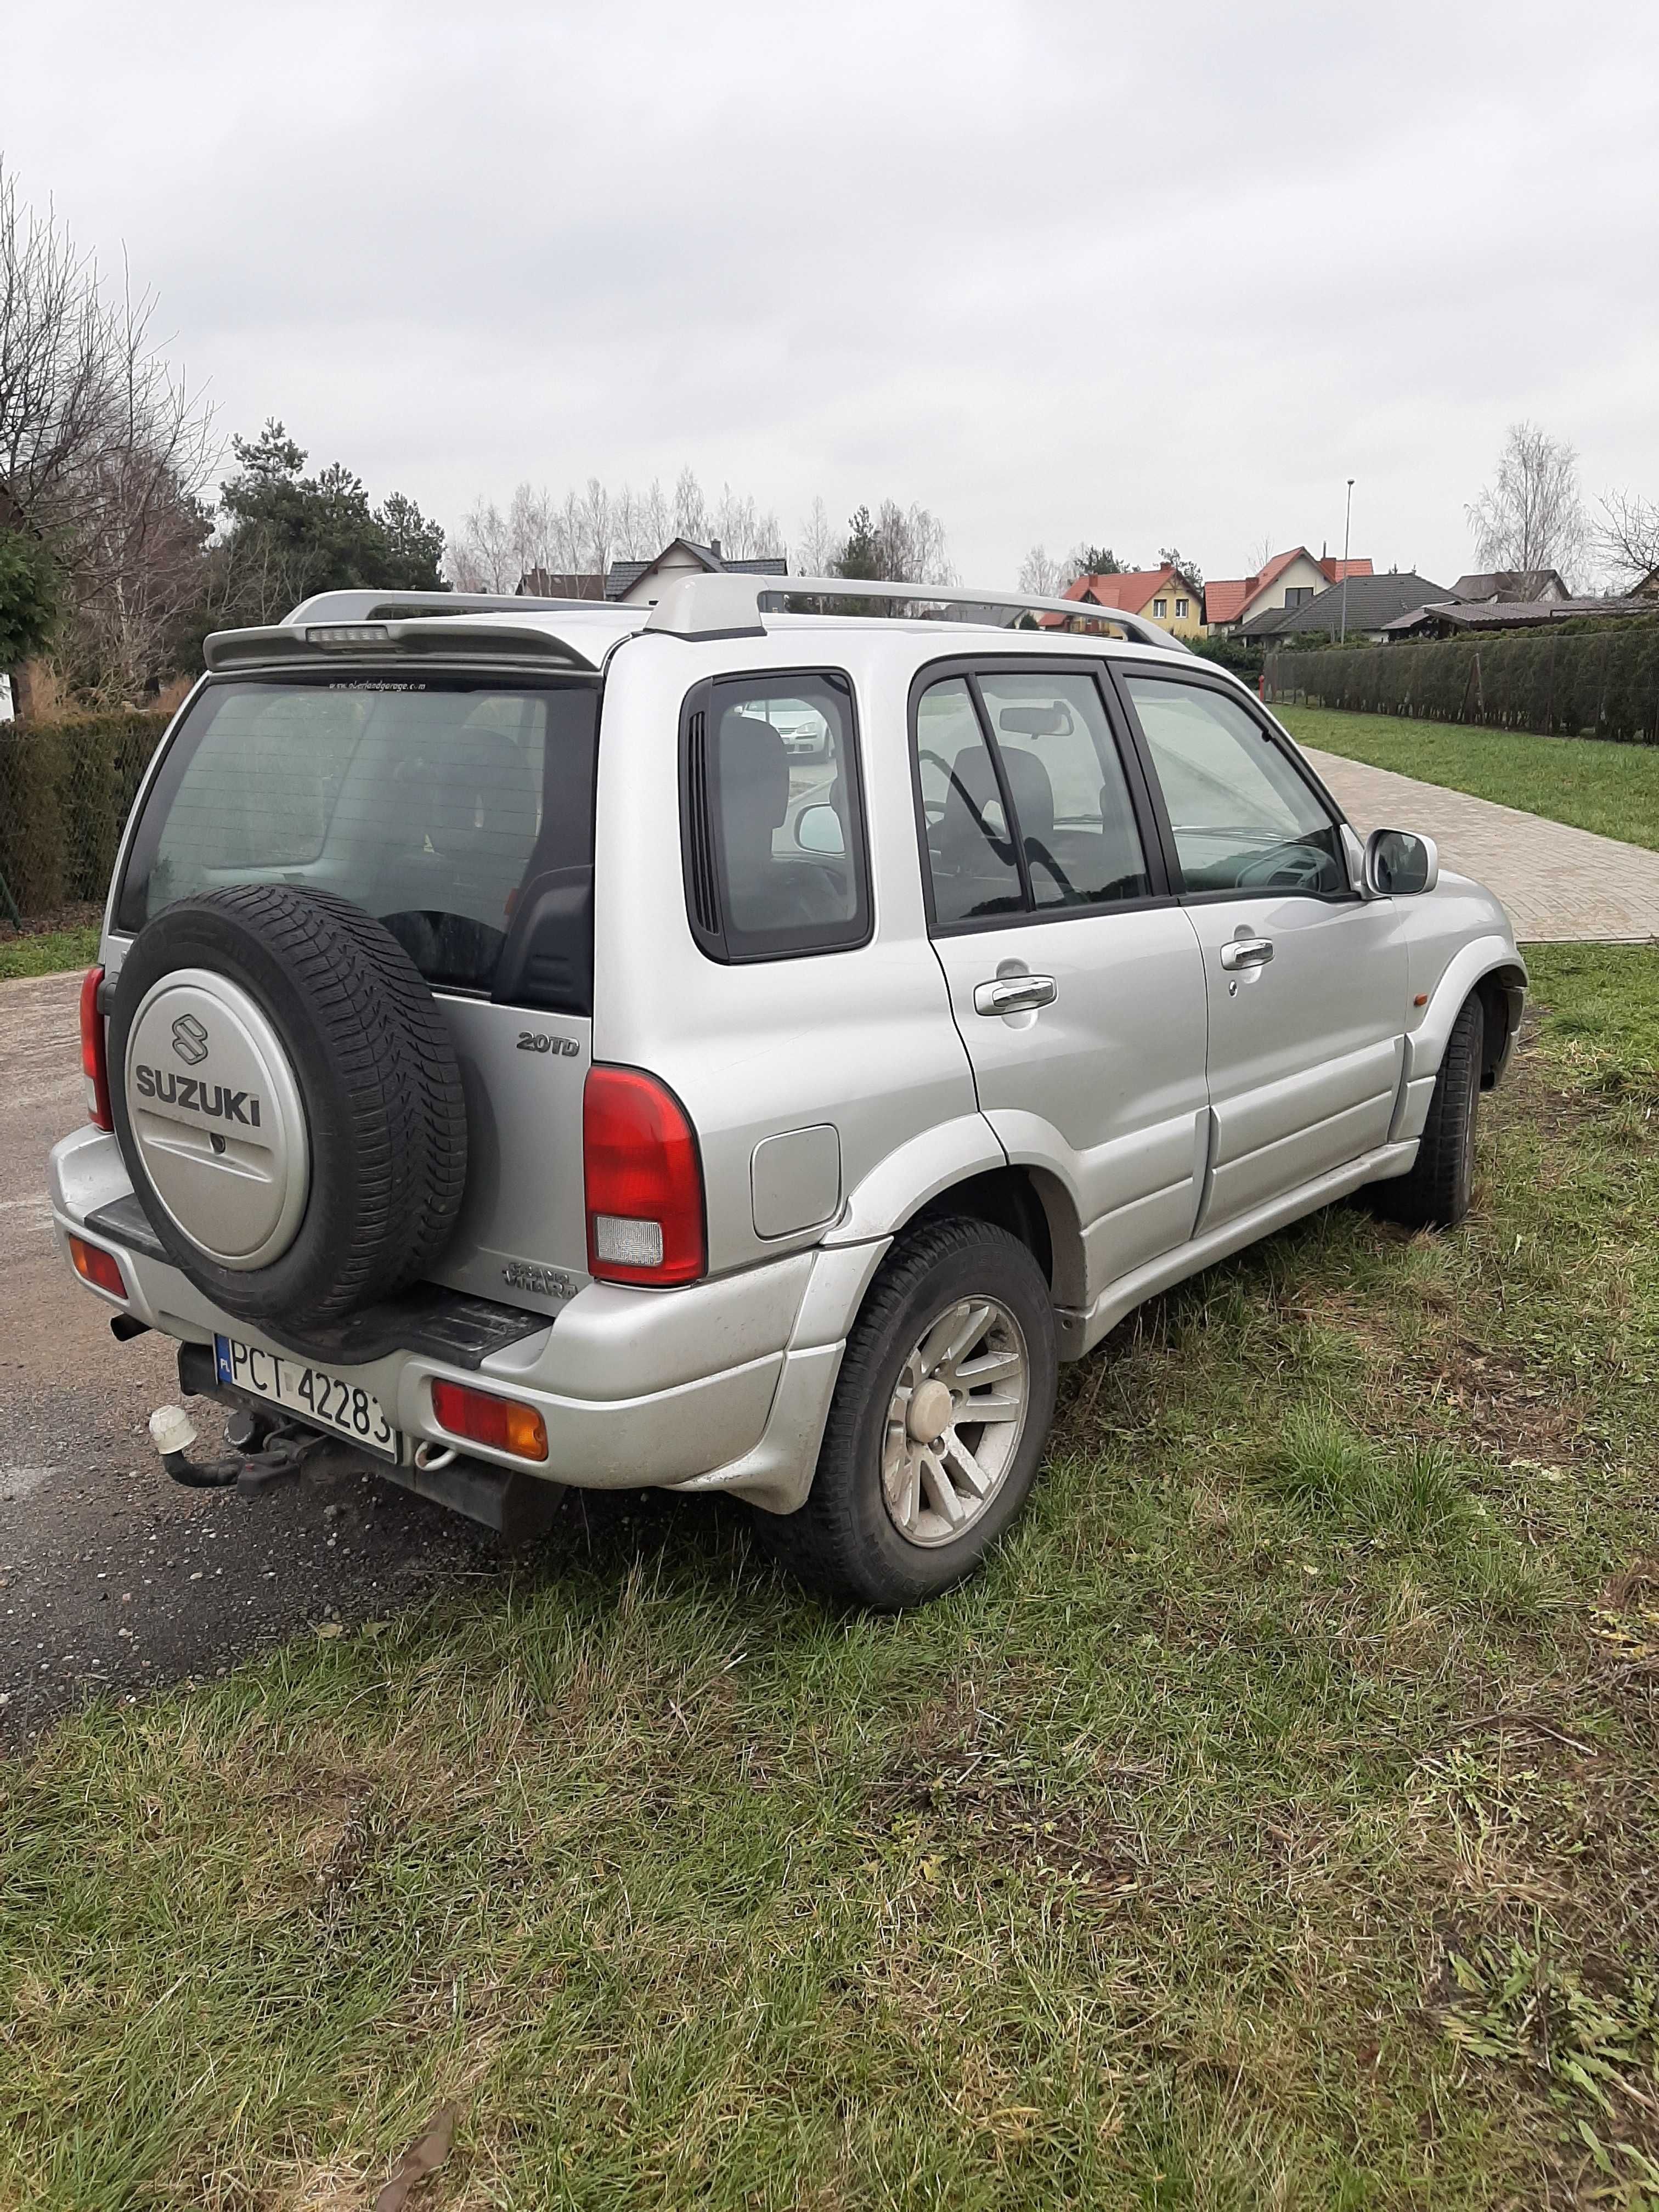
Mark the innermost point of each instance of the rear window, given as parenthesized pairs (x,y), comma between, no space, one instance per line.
(445,807)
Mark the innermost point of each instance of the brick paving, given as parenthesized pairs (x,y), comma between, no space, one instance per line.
(1559,883)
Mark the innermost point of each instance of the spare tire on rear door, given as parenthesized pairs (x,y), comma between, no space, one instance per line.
(287,1101)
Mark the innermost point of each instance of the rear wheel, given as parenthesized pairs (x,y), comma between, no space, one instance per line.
(1435,1193)
(941,1411)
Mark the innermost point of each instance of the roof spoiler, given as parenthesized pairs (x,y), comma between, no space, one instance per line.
(374,637)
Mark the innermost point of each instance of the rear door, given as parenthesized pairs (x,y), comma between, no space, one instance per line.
(458,809)
(1306,982)
(1075,979)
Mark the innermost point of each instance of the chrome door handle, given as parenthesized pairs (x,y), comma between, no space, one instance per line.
(1014,995)
(1247,953)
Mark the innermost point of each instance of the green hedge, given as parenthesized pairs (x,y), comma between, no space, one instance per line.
(1602,684)
(65,791)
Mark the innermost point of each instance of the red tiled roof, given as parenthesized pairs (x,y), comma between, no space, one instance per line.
(1129,591)
(1225,598)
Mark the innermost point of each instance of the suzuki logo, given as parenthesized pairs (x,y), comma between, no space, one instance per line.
(190,1040)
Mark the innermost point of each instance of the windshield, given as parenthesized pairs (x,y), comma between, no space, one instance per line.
(430,802)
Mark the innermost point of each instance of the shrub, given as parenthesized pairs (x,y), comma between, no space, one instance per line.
(1592,683)
(65,791)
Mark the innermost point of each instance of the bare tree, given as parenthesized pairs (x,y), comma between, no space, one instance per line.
(691,510)
(909,545)
(1628,535)
(1041,575)
(817,543)
(1531,517)
(104,452)
(743,534)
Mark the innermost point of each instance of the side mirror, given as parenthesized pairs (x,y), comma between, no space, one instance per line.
(818,829)
(1400,865)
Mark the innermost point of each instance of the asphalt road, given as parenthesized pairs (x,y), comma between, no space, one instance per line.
(111,1576)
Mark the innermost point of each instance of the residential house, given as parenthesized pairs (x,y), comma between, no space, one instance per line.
(1646,587)
(1370,603)
(1163,595)
(1289,580)
(551,584)
(638,583)
(1454,618)
(1509,587)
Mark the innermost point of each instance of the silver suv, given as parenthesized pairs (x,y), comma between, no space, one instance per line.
(737,1050)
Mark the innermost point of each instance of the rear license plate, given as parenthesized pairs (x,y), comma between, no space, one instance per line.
(326,1401)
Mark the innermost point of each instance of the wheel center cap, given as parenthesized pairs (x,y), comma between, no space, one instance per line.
(930,1412)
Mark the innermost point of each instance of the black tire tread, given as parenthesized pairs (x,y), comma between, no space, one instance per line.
(1434,1194)
(819,1543)
(394,1078)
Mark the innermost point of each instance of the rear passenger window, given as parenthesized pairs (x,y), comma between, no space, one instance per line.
(1050,759)
(970,852)
(773,818)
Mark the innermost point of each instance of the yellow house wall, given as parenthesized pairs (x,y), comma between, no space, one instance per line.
(1189,625)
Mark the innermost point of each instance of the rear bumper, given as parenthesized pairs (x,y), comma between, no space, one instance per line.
(721,1385)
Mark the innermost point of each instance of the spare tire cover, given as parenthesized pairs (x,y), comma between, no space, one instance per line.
(287,1101)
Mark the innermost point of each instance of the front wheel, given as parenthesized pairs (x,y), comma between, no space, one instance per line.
(936,1431)
(1435,1193)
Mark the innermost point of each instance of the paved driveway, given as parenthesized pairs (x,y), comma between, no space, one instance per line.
(1557,883)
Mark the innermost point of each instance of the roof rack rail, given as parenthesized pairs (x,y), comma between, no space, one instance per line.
(384,605)
(729,605)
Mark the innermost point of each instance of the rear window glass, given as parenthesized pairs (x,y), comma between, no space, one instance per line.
(430,803)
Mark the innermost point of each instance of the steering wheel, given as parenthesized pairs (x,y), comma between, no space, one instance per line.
(1290,867)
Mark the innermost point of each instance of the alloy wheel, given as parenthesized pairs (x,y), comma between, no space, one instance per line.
(955,1421)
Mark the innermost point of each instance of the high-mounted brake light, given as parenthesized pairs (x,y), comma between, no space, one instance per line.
(644,1179)
(100,1268)
(348,634)
(95,1060)
(506,1424)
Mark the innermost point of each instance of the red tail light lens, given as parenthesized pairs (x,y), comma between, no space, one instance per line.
(484,1418)
(94,1064)
(100,1268)
(645,1216)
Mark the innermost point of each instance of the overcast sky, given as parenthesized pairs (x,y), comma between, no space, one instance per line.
(1142,276)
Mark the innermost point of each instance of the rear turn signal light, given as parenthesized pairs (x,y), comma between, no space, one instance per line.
(504,1423)
(95,1266)
(644,1180)
(94,1063)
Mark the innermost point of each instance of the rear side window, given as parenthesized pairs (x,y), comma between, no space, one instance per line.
(448,808)
(773,818)
(1024,801)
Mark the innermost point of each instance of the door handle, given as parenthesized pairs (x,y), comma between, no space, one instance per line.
(1014,995)
(1247,953)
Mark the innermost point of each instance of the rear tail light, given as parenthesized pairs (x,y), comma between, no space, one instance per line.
(100,1268)
(645,1214)
(94,1062)
(505,1424)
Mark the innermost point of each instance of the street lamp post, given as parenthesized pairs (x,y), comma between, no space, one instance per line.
(1347,518)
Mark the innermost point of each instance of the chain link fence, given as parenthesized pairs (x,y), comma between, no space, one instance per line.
(65,791)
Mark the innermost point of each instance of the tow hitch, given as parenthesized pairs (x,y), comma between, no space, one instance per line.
(263,1452)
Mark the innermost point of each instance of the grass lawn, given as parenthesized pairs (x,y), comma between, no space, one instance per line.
(1274,1824)
(45,954)
(1611,788)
